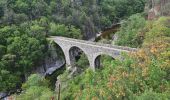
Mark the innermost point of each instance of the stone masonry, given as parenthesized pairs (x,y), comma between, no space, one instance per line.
(91,49)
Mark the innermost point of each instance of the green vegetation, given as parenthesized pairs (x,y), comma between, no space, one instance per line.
(83,62)
(62,30)
(21,51)
(119,9)
(90,16)
(36,88)
(143,75)
(25,25)
(131,33)
(53,78)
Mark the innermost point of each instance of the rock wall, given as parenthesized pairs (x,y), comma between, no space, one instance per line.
(53,60)
(157,8)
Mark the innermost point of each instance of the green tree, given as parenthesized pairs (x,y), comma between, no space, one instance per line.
(66,31)
(120,9)
(34,9)
(8,80)
(2,50)
(9,75)
(27,50)
(130,33)
(36,88)
(7,32)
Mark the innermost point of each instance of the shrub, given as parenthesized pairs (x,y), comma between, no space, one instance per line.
(130,33)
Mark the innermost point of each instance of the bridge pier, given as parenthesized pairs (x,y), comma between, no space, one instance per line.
(66,54)
(70,61)
(91,62)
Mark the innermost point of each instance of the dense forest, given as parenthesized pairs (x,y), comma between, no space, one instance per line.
(25,26)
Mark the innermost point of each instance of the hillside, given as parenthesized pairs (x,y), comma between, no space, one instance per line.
(131,60)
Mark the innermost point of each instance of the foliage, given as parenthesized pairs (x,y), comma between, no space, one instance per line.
(119,9)
(53,78)
(65,31)
(25,24)
(23,47)
(36,88)
(148,95)
(20,51)
(8,80)
(29,48)
(83,62)
(131,33)
(143,75)
(2,50)
(91,16)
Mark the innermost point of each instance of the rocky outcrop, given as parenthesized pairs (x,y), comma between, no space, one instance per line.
(52,61)
(58,65)
(154,12)
(3,95)
(157,8)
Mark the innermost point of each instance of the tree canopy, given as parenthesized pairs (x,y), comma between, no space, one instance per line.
(25,26)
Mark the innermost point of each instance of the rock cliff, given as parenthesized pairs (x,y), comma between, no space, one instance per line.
(157,8)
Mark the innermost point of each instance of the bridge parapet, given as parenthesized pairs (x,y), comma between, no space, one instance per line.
(94,43)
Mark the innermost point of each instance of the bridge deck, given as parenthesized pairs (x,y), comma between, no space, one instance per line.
(92,43)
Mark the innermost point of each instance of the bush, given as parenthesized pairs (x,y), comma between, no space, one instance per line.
(35,88)
(83,62)
(66,31)
(150,95)
(130,33)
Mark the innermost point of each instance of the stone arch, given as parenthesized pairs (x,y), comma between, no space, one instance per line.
(56,59)
(59,51)
(57,45)
(97,58)
(74,54)
(64,50)
(91,49)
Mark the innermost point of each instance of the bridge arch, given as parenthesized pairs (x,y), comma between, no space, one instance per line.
(65,50)
(60,47)
(55,59)
(77,53)
(97,59)
(58,50)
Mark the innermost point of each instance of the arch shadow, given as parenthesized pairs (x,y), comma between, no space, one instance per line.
(100,58)
(56,58)
(78,57)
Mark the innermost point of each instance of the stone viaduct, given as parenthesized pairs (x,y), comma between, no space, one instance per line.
(91,49)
